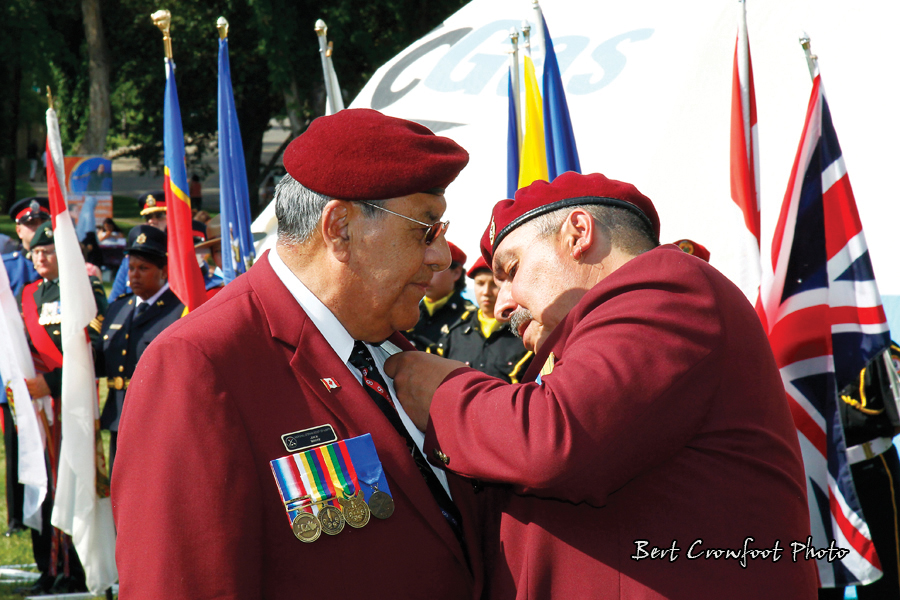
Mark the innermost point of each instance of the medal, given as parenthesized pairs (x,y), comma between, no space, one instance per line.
(381,504)
(356,511)
(332,520)
(306,527)
(311,481)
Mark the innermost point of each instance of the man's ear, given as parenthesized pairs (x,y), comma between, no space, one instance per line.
(578,233)
(335,228)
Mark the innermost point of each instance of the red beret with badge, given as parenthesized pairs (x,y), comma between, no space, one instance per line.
(480,265)
(456,255)
(692,247)
(568,190)
(361,154)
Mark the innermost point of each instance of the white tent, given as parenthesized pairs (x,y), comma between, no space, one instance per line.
(649,90)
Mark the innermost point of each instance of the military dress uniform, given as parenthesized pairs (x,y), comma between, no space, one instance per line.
(20,271)
(501,354)
(869,416)
(42,312)
(128,329)
(432,326)
(130,325)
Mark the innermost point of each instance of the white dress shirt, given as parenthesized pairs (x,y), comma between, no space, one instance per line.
(342,343)
(138,301)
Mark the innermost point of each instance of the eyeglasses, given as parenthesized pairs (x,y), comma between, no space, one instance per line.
(43,251)
(432,231)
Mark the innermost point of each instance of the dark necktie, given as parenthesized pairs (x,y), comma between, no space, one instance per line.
(377,389)
(141,309)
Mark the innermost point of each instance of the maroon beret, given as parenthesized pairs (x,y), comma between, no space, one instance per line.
(456,255)
(692,247)
(361,154)
(480,265)
(567,190)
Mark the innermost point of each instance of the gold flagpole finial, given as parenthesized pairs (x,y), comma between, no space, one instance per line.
(321,28)
(163,20)
(222,26)
(49,98)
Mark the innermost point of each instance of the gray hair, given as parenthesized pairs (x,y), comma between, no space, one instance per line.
(625,230)
(299,209)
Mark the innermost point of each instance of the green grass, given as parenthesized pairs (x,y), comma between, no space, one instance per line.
(16,550)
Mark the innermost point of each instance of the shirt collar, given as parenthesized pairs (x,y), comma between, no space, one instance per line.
(328,325)
(138,300)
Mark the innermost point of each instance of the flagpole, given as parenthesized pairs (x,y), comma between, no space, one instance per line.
(324,53)
(812,61)
(514,73)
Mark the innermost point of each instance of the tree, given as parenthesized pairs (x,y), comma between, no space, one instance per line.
(275,65)
(98,56)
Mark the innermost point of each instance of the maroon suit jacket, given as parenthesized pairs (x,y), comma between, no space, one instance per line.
(196,506)
(664,419)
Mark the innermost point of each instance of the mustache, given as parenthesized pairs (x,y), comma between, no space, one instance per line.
(520,316)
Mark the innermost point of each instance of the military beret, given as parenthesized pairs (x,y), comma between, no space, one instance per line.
(480,265)
(568,190)
(30,208)
(456,255)
(361,154)
(152,202)
(692,247)
(146,239)
(43,235)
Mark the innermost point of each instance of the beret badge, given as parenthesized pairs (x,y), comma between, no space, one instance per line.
(141,239)
(493,230)
(50,233)
(686,246)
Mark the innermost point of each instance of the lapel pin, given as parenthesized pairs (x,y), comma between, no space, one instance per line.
(330,383)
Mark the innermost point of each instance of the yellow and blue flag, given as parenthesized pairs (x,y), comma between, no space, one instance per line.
(548,146)
(185,277)
(238,252)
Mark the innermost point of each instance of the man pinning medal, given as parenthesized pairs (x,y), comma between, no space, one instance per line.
(652,417)
(262,452)
(133,321)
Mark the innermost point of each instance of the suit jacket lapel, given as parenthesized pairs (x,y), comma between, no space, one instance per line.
(350,404)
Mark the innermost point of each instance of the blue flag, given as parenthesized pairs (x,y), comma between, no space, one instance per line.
(512,145)
(238,252)
(559,138)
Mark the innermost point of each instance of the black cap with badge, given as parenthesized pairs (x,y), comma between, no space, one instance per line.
(147,242)
(27,209)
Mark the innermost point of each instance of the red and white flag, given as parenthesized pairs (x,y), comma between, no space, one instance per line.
(78,510)
(745,160)
(15,366)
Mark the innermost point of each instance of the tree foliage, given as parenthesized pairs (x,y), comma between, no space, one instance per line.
(274,56)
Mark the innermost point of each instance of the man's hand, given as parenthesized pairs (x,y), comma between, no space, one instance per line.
(417,376)
(37,387)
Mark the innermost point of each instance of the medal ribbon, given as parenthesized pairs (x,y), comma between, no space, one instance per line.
(343,479)
(316,471)
(290,485)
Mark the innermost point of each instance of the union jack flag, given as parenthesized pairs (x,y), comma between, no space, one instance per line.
(823,314)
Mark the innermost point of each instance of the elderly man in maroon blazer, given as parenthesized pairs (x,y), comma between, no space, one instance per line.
(296,346)
(652,454)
